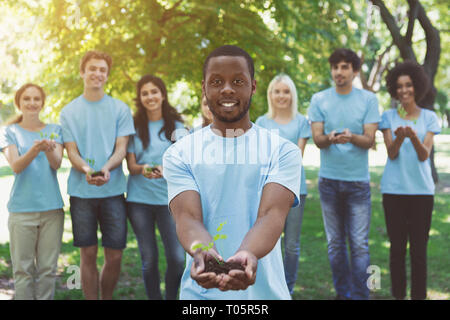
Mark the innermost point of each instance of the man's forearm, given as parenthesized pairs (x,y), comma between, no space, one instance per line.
(120,152)
(264,234)
(77,162)
(362,141)
(115,160)
(191,232)
(322,141)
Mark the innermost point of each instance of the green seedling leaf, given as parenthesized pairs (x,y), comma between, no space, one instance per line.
(197,246)
(211,244)
(218,261)
(221,226)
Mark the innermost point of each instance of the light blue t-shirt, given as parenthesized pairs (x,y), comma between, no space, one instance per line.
(150,191)
(230,174)
(36,187)
(94,127)
(293,131)
(406,174)
(345,162)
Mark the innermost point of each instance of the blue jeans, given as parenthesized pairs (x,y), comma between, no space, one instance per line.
(346,211)
(291,243)
(143,218)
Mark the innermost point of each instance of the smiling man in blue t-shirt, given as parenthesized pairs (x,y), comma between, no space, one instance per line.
(344,120)
(237,175)
(96,128)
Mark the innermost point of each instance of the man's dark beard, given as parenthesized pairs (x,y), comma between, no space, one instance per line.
(235,119)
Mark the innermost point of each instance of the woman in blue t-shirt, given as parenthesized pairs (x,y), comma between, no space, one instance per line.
(34,151)
(283,116)
(407,184)
(158,125)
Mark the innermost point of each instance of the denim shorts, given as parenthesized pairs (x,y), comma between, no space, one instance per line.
(110,213)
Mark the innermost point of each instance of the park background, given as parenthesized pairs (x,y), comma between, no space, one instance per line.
(43,42)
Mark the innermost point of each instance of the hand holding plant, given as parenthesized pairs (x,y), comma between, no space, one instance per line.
(47,142)
(97,178)
(400,132)
(204,262)
(44,145)
(203,256)
(240,279)
(204,278)
(410,132)
(344,137)
(152,172)
(211,244)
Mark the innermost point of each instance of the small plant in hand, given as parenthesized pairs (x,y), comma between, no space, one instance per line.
(402,112)
(52,135)
(153,168)
(93,174)
(217,265)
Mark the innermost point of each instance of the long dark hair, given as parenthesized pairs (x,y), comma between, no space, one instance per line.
(169,113)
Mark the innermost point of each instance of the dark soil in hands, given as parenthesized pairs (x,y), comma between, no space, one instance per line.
(97,174)
(155,170)
(223,267)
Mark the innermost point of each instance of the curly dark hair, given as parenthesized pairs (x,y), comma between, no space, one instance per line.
(415,71)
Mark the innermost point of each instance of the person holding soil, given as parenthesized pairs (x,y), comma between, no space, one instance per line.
(235,172)
(283,116)
(36,216)
(344,120)
(156,122)
(95,131)
(407,184)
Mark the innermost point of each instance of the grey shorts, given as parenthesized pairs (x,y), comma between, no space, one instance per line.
(110,213)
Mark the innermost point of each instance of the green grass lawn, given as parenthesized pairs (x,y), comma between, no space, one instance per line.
(314,274)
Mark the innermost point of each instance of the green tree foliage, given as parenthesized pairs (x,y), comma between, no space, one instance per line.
(172,39)
(168,38)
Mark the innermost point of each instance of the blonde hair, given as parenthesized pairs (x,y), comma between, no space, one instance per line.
(284,78)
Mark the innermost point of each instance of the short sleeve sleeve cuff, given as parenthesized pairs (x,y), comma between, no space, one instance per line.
(433,123)
(177,174)
(372,115)
(286,170)
(314,113)
(384,123)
